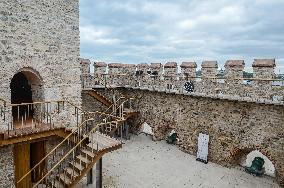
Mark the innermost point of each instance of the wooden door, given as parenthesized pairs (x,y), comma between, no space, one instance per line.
(22,164)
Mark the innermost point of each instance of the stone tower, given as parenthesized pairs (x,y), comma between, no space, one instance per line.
(41,40)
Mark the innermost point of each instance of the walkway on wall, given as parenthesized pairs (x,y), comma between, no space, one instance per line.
(101,98)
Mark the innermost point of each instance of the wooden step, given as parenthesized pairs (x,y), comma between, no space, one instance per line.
(71,173)
(76,166)
(85,161)
(56,184)
(63,178)
(89,153)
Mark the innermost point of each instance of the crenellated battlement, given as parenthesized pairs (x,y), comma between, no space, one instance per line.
(170,77)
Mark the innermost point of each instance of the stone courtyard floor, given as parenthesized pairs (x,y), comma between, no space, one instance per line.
(143,163)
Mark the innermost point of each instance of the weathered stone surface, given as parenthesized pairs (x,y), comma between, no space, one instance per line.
(264,63)
(170,65)
(7,177)
(43,37)
(156,65)
(188,65)
(100,64)
(85,66)
(143,65)
(235,64)
(235,128)
(261,87)
(115,65)
(209,64)
(41,40)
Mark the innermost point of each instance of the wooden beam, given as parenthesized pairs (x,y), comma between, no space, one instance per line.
(35,137)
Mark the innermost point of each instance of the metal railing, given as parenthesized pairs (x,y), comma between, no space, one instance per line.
(39,116)
(80,133)
(70,156)
(70,140)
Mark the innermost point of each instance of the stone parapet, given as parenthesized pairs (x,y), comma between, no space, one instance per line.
(264,68)
(209,68)
(85,66)
(158,77)
(188,69)
(170,71)
(264,63)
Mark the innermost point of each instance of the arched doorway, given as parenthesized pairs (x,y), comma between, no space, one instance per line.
(26,87)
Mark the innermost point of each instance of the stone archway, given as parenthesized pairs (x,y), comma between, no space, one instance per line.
(26,87)
(35,82)
(238,154)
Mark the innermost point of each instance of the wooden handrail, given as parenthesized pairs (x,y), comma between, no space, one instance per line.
(78,144)
(112,105)
(53,150)
(97,112)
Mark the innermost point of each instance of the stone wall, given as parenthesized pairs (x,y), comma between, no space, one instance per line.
(235,128)
(7,178)
(166,78)
(41,38)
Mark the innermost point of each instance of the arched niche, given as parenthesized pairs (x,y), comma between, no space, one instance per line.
(269,167)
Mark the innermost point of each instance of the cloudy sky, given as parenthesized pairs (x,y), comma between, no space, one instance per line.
(136,31)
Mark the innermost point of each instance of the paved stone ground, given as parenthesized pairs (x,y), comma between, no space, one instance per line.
(142,163)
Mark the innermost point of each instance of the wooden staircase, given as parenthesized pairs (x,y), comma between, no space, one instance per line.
(88,155)
(87,143)
(104,100)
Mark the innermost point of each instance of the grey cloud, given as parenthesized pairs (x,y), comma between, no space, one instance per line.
(143,31)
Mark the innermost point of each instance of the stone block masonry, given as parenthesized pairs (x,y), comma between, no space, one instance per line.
(263,87)
(7,177)
(41,38)
(235,128)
